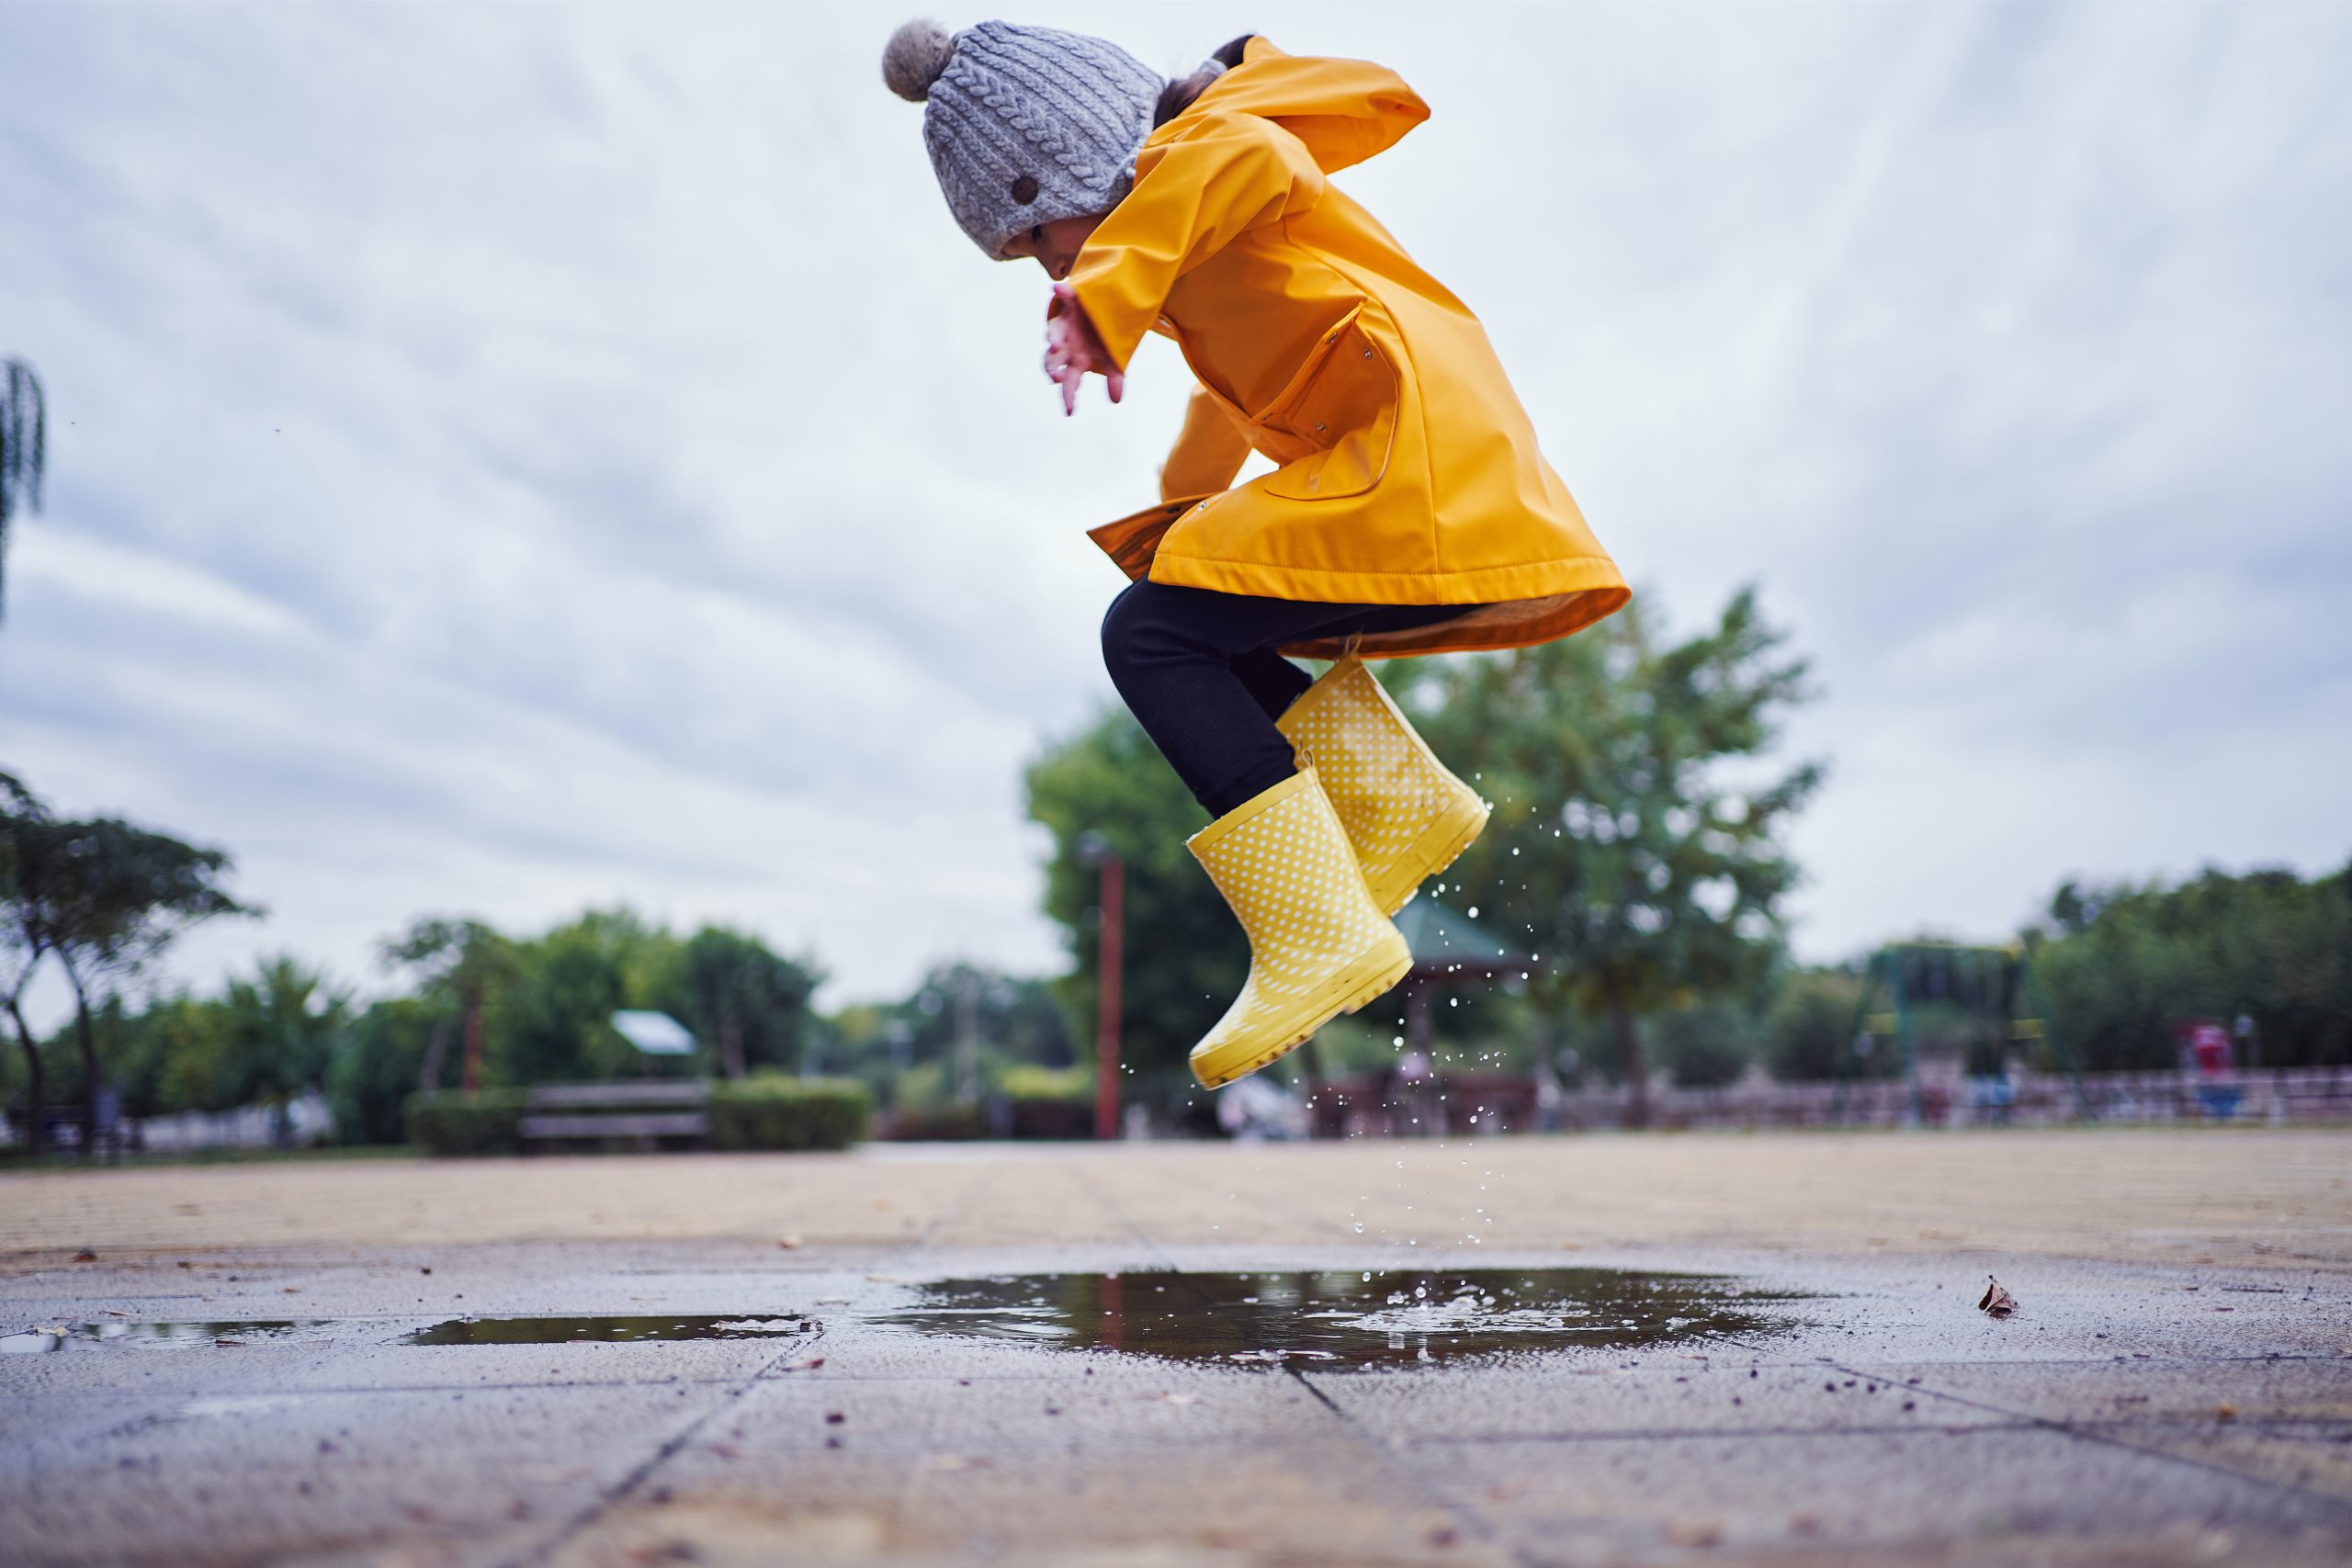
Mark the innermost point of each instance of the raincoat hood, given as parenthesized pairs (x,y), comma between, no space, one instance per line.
(1344,111)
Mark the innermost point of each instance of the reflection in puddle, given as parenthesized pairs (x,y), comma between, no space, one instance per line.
(166,1336)
(1346,1317)
(568,1330)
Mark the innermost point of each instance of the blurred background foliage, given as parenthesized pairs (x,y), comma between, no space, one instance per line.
(1637,850)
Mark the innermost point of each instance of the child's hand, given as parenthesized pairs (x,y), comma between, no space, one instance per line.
(1073,348)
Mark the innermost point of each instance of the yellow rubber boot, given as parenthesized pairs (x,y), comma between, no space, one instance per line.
(1406,814)
(1319,947)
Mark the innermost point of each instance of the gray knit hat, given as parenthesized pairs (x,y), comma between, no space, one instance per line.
(1024,125)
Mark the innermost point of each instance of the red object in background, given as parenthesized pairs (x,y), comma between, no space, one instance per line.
(1107,1028)
(2204,1042)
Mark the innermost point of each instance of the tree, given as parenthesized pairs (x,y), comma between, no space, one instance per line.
(1706,1045)
(2124,964)
(752,1004)
(282,1025)
(1811,1029)
(1636,834)
(1186,954)
(553,1020)
(24,449)
(377,1065)
(21,947)
(458,961)
(104,897)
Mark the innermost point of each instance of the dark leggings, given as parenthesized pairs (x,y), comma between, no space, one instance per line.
(1200,672)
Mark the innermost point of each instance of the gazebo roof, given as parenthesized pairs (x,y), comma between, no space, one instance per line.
(1446,941)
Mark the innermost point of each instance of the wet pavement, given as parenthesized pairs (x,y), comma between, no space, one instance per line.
(1339,1317)
(713,1405)
(732,1400)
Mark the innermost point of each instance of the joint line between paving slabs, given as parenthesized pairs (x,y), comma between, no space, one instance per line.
(2087,1434)
(1468,1518)
(1471,1520)
(669,1449)
(587,1518)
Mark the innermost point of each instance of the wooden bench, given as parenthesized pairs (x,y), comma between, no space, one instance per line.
(645,1110)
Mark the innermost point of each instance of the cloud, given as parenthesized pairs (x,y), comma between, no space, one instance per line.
(511,459)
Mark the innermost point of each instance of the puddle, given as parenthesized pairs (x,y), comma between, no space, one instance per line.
(1337,1317)
(574,1330)
(1344,1317)
(160,1336)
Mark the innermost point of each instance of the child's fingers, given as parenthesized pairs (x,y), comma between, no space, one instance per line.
(1118,382)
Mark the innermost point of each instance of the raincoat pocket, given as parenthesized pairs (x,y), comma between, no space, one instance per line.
(1339,414)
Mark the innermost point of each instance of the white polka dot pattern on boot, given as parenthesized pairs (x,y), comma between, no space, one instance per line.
(1286,867)
(1407,815)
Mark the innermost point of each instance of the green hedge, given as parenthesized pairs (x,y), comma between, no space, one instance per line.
(449,1122)
(766,1112)
(772,1111)
(1046,1102)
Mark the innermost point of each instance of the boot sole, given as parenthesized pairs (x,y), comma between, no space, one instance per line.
(1367,979)
(1440,845)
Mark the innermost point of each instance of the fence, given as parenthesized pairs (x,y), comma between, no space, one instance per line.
(1471,1104)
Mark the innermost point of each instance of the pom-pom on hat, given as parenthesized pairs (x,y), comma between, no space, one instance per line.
(1024,125)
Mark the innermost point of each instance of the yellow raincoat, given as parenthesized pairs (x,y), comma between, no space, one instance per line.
(1408,471)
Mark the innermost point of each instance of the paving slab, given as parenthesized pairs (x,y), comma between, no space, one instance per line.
(261,1477)
(2228,1197)
(1724,1394)
(1334,1500)
(2175,1387)
(1614,1498)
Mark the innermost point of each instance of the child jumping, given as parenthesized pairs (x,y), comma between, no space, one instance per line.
(1408,510)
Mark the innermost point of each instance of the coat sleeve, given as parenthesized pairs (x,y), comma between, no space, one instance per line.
(1208,452)
(1192,196)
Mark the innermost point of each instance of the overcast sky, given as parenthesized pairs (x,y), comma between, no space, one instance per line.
(505,461)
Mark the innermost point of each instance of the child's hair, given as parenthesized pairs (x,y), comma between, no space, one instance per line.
(1178,96)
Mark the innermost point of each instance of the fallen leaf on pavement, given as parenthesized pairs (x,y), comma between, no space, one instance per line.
(1997,1302)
